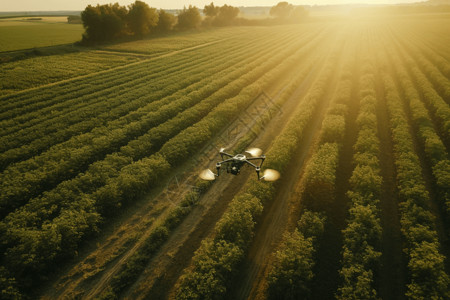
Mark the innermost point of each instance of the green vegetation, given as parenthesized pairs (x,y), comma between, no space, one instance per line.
(18,34)
(425,262)
(237,225)
(113,170)
(88,134)
(362,235)
(295,260)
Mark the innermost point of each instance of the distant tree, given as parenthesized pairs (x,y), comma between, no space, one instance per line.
(211,10)
(282,10)
(189,18)
(298,14)
(141,18)
(166,21)
(92,23)
(74,20)
(103,22)
(227,14)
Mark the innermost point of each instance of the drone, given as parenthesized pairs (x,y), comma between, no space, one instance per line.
(234,163)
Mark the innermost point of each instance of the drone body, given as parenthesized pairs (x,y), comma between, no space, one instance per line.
(234,163)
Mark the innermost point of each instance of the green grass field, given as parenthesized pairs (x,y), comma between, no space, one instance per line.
(19,33)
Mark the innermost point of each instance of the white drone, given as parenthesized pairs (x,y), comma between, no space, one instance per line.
(234,163)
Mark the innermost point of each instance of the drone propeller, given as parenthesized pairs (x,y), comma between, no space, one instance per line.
(254,152)
(207,174)
(222,149)
(270,175)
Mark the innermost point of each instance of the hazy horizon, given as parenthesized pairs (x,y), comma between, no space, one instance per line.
(59,5)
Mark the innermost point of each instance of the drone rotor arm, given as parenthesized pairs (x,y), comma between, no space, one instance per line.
(227,154)
(262,158)
(251,164)
(225,161)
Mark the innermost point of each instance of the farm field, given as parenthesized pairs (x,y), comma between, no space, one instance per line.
(22,33)
(100,152)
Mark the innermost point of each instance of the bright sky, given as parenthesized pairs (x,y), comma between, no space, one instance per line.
(48,5)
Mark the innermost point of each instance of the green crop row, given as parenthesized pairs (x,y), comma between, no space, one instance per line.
(100,93)
(437,106)
(23,106)
(159,235)
(430,69)
(435,150)
(19,75)
(362,235)
(427,276)
(441,63)
(94,101)
(61,121)
(216,261)
(50,228)
(23,102)
(292,270)
(104,139)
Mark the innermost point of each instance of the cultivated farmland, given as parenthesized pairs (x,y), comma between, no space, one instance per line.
(101,150)
(27,32)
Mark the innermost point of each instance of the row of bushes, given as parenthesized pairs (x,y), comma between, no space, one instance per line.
(435,150)
(22,107)
(431,64)
(428,279)
(26,179)
(49,229)
(292,272)
(436,104)
(435,57)
(73,107)
(136,263)
(362,234)
(78,113)
(217,260)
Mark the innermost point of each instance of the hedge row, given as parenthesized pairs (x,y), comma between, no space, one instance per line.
(430,63)
(428,279)
(57,101)
(439,109)
(292,270)
(136,264)
(125,103)
(362,234)
(435,150)
(61,102)
(217,260)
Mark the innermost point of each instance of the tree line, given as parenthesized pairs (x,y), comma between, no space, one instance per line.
(112,21)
